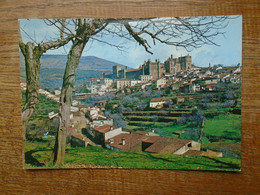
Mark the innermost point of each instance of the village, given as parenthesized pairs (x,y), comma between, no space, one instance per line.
(175,82)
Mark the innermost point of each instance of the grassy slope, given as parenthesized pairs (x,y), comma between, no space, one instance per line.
(38,154)
(228,126)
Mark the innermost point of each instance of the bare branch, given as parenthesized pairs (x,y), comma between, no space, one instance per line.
(136,36)
(119,47)
(55,44)
(21,44)
(28,35)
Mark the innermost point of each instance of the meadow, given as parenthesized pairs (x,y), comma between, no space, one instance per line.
(38,154)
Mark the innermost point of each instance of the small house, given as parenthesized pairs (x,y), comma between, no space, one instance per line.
(157,102)
(168,145)
(78,141)
(102,133)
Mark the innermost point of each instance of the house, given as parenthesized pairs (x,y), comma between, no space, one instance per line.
(146,78)
(102,133)
(157,102)
(160,83)
(78,141)
(93,111)
(168,145)
(153,143)
(51,115)
(122,83)
(126,142)
(210,88)
(102,120)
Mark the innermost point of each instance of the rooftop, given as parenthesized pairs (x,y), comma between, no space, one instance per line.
(131,140)
(105,128)
(166,145)
(78,136)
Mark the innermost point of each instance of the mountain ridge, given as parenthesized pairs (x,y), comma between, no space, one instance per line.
(53,67)
(86,63)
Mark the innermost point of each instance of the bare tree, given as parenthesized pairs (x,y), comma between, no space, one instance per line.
(180,32)
(32,53)
(85,29)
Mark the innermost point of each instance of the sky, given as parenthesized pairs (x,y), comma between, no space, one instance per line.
(228,53)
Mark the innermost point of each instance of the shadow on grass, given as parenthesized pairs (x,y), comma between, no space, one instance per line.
(223,165)
(230,165)
(29,159)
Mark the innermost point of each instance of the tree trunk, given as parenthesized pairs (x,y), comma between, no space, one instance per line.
(201,132)
(66,100)
(32,57)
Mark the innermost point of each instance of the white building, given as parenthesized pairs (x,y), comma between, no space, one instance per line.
(108,82)
(157,102)
(161,83)
(122,83)
(98,89)
(146,78)
(134,82)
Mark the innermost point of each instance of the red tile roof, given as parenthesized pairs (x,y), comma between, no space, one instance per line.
(78,136)
(157,99)
(104,128)
(131,140)
(167,145)
(151,139)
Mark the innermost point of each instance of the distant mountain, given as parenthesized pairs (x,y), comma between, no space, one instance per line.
(53,66)
(86,63)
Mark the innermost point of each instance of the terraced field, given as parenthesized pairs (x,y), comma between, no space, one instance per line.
(147,120)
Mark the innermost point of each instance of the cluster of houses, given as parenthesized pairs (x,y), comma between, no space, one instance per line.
(200,79)
(100,131)
(48,94)
(187,81)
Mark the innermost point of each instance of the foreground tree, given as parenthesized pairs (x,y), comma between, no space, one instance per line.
(85,29)
(180,32)
(32,53)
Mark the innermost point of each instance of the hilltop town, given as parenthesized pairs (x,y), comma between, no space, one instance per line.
(160,107)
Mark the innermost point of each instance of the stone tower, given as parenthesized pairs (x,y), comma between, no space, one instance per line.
(116,70)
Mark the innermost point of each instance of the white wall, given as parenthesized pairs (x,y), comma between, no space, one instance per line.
(182,150)
(113,133)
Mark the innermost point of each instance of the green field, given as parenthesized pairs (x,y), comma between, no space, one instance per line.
(226,127)
(171,129)
(38,155)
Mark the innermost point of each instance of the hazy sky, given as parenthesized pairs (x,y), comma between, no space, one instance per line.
(228,53)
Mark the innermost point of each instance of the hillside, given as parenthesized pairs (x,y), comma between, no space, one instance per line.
(53,67)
